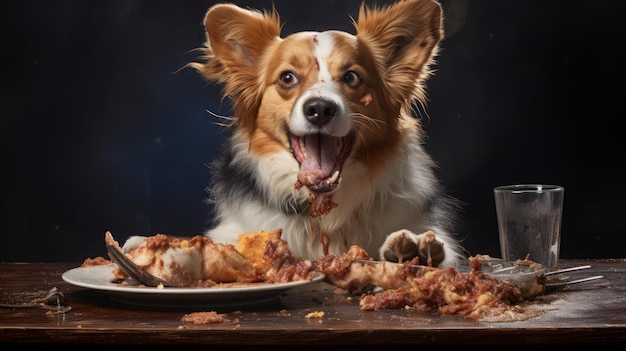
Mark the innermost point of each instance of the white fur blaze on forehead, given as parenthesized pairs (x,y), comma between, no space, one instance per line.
(324,43)
(323,48)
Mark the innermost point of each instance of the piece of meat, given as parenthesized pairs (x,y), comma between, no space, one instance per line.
(222,263)
(188,262)
(473,294)
(284,266)
(199,262)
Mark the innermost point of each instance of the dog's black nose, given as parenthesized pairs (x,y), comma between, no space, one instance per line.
(319,111)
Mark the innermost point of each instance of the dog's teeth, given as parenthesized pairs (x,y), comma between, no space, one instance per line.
(334,177)
(302,147)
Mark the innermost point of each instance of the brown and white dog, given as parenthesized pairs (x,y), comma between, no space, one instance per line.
(324,142)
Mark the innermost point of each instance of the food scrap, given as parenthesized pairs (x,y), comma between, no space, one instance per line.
(211,317)
(367,99)
(315,314)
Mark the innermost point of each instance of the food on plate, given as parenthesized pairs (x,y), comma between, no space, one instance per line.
(474,295)
(199,262)
(189,261)
(252,247)
(488,291)
(97,261)
(283,265)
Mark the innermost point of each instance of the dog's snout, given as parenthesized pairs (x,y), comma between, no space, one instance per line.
(319,111)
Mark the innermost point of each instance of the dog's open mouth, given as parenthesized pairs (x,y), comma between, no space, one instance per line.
(321,159)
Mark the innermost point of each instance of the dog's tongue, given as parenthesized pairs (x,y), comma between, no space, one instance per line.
(320,160)
(320,151)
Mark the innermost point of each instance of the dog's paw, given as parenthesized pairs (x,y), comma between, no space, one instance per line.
(405,245)
(399,246)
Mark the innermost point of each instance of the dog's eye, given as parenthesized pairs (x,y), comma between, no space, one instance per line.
(288,80)
(352,79)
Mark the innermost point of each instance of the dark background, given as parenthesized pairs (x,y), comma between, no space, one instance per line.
(100,133)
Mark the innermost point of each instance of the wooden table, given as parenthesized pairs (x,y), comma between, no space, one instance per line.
(587,313)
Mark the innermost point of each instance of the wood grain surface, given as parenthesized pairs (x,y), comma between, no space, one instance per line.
(588,313)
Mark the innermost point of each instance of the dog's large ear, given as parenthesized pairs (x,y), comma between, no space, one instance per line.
(403,39)
(236,41)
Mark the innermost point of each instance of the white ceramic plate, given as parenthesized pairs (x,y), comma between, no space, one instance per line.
(100,278)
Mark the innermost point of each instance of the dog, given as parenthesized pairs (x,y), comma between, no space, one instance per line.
(324,143)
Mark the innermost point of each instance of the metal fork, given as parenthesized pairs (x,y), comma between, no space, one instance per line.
(53,300)
(134,271)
